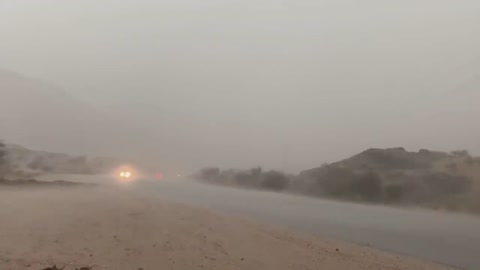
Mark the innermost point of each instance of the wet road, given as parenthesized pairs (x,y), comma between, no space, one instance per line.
(452,239)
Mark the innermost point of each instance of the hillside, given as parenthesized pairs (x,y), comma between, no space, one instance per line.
(388,176)
(43,116)
(395,162)
(30,161)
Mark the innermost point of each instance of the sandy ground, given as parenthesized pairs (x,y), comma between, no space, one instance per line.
(118,230)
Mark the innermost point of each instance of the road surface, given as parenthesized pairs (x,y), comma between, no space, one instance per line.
(451,239)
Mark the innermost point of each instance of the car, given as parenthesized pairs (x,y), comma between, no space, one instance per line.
(125,174)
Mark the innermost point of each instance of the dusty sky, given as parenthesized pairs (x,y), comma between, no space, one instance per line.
(285,84)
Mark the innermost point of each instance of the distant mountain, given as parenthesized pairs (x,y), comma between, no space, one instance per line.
(40,115)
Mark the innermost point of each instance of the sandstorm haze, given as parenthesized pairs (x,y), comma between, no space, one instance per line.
(283,84)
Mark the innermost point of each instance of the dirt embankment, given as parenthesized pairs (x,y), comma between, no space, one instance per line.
(118,230)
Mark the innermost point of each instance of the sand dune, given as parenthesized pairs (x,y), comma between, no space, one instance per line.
(116,229)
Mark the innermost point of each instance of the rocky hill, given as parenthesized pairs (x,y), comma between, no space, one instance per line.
(396,176)
(23,162)
(392,161)
(393,176)
(44,161)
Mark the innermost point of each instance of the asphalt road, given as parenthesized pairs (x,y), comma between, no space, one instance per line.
(451,239)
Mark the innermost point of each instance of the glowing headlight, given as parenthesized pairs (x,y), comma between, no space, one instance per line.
(125,174)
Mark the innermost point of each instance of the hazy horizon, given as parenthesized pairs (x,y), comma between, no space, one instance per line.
(281,84)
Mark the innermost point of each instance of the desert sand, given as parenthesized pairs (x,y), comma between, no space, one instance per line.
(111,228)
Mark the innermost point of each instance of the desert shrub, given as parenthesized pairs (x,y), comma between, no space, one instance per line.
(343,183)
(3,159)
(452,166)
(78,165)
(256,172)
(394,193)
(208,174)
(470,161)
(460,153)
(246,179)
(3,153)
(274,180)
(253,178)
(326,181)
(368,186)
(37,163)
(444,183)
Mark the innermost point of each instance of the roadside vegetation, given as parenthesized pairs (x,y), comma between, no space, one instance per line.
(3,160)
(394,176)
